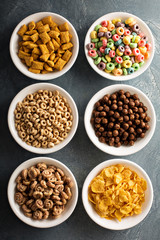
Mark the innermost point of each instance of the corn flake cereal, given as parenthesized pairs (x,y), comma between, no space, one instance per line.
(45,46)
(117,192)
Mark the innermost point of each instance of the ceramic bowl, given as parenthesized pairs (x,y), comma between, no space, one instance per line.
(15,39)
(122,150)
(48,222)
(127,222)
(145,29)
(31,89)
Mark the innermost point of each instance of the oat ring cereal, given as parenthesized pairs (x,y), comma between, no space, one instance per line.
(43,119)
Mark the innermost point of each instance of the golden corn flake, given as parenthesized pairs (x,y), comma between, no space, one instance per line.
(45,46)
(117,192)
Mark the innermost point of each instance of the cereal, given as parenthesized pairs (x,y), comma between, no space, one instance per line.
(43,40)
(43,119)
(117,192)
(120,118)
(43,199)
(112,39)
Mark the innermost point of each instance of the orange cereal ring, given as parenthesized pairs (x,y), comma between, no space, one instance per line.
(117,71)
(120,31)
(103,29)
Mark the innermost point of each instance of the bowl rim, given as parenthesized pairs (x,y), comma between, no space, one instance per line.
(99,168)
(122,77)
(12,127)
(109,149)
(50,76)
(31,162)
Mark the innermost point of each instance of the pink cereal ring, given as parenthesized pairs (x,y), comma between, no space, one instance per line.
(104,42)
(140,58)
(92,53)
(102,49)
(127,52)
(127,32)
(148,46)
(115,37)
(142,43)
(112,53)
(104,23)
(136,51)
(118,59)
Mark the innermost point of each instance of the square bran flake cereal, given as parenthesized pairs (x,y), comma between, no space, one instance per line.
(43,48)
(60,64)
(67,55)
(55,44)
(66,46)
(64,36)
(64,27)
(44,37)
(37,65)
(22,30)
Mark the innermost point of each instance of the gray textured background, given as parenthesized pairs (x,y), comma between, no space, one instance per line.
(82,83)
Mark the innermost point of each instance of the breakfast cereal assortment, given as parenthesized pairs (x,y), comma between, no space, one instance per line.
(120,118)
(43,191)
(117,192)
(119,47)
(45,45)
(43,119)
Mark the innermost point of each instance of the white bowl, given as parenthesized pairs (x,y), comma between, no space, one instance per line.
(145,29)
(127,222)
(48,222)
(15,39)
(31,89)
(122,150)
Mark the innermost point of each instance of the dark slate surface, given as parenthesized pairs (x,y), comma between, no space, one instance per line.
(82,83)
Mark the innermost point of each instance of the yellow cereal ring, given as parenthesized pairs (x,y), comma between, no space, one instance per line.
(143,50)
(137,39)
(114,21)
(117,71)
(129,20)
(120,31)
(107,57)
(113,48)
(102,38)
(107,71)
(126,40)
(132,23)
(103,29)
(119,53)
(127,63)
(93,34)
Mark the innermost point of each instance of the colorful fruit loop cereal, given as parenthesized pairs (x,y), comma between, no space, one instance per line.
(119,47)
(117,192)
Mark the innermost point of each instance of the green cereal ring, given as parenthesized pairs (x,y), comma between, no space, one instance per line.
(126,58)
(124,71)
(133,45)
(97,27)
(119,65)
(99,44)
(111,40)
(135,66)
(134,38)
(95,49)
(110,45)
(97,60)
(104,60)
(96,45)
(141,64)
(114,31)
(95,56)
(110,66)
(95,40)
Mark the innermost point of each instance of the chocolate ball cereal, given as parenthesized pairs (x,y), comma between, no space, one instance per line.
(120,118)
(43,119)
(44,194)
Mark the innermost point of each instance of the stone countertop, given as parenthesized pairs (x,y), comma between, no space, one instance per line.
(80,155)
